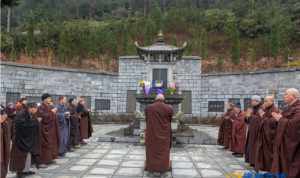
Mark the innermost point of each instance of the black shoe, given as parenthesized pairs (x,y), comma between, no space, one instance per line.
(28,173)
(20,175)
(237,155)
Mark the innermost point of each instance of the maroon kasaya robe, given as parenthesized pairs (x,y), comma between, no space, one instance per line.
(228,128)
(265,140)
(17,157)
(74,126)
(253,127)
(5,137)
(47,129)
(84,122)
(239,129)
(220,140)
(24,140)
(158,136)
(286,157)
(55,134)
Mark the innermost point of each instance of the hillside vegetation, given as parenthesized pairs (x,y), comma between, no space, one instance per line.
(229,35)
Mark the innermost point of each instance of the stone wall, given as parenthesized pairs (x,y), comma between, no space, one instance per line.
(222,87)
(32,81)
(132,70)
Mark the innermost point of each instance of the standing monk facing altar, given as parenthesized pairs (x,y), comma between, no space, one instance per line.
(225,131)
(158,135)
(266,136)
(239,129)
(286,156)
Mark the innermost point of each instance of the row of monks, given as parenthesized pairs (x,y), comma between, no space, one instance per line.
(37,134)
(267,137)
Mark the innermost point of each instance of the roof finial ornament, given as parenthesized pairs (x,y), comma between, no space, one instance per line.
(160,37)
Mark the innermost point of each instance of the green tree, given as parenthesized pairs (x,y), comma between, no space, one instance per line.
(233,32)
(203,43)
(9,4)
(149,31)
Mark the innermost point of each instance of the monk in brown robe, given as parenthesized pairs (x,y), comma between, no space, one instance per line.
(55,141)
(253,120)
(266,136)
(222,125)
(24,141)
(239,129)
(84,121)
(228,126)
(47,130)
(158,135)
(4,142)
(74,125)
(21,104)
(286,158)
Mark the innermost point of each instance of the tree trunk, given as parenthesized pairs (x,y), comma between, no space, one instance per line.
(163,5)
(146,7)
(8,18)
(92,9)
(198,3)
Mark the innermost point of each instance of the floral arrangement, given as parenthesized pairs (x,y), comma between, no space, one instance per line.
(157,87)
(171,88)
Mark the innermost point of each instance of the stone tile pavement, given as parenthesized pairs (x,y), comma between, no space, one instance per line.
(113,160)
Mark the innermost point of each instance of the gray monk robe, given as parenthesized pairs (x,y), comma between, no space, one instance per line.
(64,128)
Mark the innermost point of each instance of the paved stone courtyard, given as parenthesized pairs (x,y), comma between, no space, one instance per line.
(115,160)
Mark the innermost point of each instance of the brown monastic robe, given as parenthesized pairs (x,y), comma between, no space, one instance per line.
(239,130)
(5,137)
(158,136)
(17,157)
(84,122)
(265,140)
(47,132)
(23,144)
(253,127)
(74,127)
(220,140)
(228,128)
(55,134)
(286,157)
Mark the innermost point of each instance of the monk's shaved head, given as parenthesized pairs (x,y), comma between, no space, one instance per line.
(291,95)
(268,101)
(269,98)
(160,97)
(293,92)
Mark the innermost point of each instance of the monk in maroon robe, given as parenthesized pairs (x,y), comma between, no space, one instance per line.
(224,135)
(253,120)
(24,141)
(55,130)
(239,129)
(266,136)
(4,142)
(158,135)
(286,158)
(47,130)
(84,121)
(227,119)
(74,125)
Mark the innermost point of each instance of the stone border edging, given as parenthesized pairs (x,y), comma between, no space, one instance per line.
(32,66)
(252,72)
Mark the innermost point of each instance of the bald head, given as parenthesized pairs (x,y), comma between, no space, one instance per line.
(269,98)
(160,97)
(294,92)
(268,101)
(291,95)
